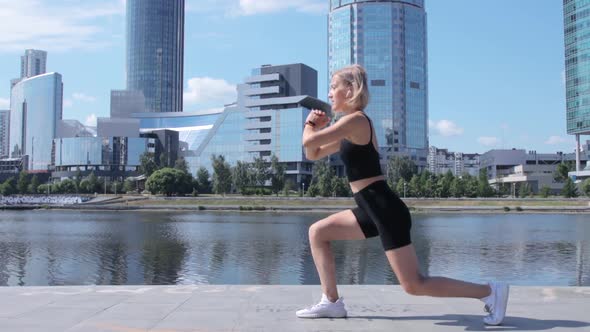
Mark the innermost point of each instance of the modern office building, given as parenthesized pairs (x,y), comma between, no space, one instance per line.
(440,161)
(388,38)
(192,128)
(155,52)
(516,166)
(267,119)
(125,102)
(35,112)
(110,157)
(577,69)
(4,126)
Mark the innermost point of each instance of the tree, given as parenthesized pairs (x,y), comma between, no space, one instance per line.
(340,187)
(182,165)
(117,187)
(67,186)
(457,187)
(414,189)
(22,185)
(261,171)
(569,189)
(78,179)
(8,187)
(93,186)
(586,187)
(444,184)
(147,163)
(221,175)
(203,183)
(483,186)
(560,174)
(241,176)
(545,191)
(169,181)
(129,185)
(400,167)
(34,186)
(321,179)
(277,175)
(525,190)
(289,185)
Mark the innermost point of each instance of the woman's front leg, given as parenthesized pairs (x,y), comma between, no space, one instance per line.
(339,226)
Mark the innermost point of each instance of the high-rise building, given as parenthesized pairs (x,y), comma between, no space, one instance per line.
(35,114)
(155,52)
(33,63)
(577,69)
(4,125)
(388,38)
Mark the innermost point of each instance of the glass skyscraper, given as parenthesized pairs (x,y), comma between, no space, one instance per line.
(388,38)
(155,52)
(35,112)
(576,17)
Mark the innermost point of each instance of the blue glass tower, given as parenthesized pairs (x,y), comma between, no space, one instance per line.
(155,52)
(577,69)
(388,38)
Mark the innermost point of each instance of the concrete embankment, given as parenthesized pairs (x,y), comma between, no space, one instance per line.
(272,308)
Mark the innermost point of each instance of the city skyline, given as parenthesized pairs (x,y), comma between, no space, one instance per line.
(485,90)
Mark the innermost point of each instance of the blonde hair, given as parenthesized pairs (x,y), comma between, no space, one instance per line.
(356,77)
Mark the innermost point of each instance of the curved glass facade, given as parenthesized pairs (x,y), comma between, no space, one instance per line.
(577,65)
(155,52)
(35,111)
(388,38)
(103,153)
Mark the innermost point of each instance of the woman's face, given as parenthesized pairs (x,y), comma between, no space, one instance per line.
(339,94)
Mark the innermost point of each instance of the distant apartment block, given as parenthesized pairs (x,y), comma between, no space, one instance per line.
(4,126)
(32,63)
(440,161)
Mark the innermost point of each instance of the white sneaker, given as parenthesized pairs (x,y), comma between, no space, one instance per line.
(495,303)
(324,309)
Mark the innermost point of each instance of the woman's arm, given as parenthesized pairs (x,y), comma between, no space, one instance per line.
(315,138)
(322,151)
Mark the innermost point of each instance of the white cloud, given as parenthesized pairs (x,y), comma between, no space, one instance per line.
(83,97)
(554,140)
(206,90)
(488,140)
(51,26)
(90,120)
(253,7)
(445,128)
(68,102)
(4,103)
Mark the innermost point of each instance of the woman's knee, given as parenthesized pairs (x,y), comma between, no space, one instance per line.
(316,231)
(414,286)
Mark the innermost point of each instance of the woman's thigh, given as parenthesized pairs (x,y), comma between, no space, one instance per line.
(338,226)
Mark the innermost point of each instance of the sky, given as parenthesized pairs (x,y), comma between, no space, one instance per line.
(496,68)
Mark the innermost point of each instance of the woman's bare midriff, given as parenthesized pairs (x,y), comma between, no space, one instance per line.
(359,185)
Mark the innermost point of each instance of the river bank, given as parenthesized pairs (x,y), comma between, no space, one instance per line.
(317,204)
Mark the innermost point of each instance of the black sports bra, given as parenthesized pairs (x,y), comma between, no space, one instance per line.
(360,161)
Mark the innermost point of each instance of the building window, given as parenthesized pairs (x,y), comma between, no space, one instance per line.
(378,82)
(414,85)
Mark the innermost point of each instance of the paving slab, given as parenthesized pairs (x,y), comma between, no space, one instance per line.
(250,308)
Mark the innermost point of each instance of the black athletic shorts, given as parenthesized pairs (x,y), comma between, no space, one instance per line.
(381,212)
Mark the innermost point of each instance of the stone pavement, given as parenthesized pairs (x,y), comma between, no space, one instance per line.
(272,308)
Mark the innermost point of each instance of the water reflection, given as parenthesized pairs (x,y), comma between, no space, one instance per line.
(114,248)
